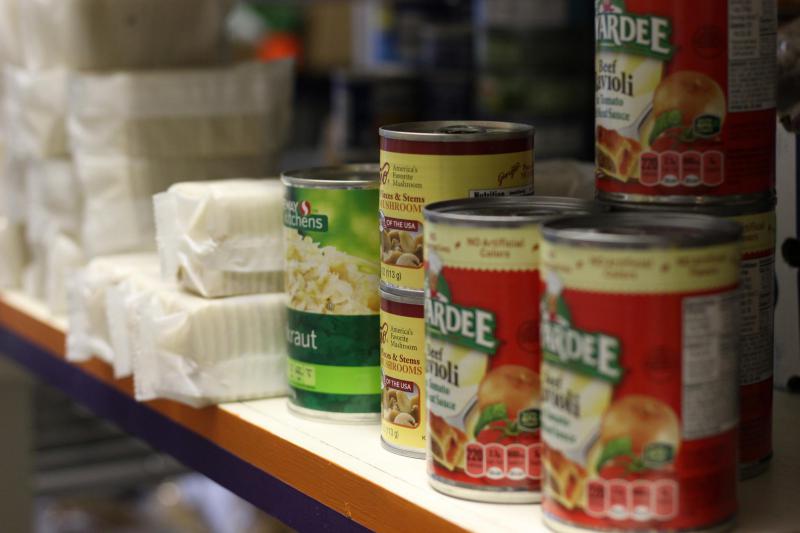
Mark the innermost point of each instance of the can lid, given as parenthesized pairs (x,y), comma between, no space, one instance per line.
(456,131)
(506,211)
(640,230)
(355,176)
(747,206)
(403,296)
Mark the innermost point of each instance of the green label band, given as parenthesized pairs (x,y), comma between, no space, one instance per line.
(349,380)
(333,340)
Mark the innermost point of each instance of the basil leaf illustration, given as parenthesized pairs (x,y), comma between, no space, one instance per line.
(613,449)
(665,121)
(491,413)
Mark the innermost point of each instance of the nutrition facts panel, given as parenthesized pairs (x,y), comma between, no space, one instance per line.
(709,364)
(756,320)
(751,54)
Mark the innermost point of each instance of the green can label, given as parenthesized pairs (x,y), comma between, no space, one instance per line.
(332,281)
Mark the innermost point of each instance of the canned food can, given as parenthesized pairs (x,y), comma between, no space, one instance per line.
(482,345)
(639,339)
(685,106)
(332,271)
(403,371)
(426,162)
(756,322)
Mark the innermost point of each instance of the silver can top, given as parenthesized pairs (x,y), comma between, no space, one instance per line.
(355,176)
(456,131)
(506,212)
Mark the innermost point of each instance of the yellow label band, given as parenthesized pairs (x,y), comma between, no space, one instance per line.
(413,181)
(403,375)
(759,232)
(485,248)
(642,271)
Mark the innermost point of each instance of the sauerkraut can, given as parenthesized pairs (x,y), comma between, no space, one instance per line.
(685,99)
(756,322)
(425,162)
(639,339)
(482,345)
(331,250)
(402,337)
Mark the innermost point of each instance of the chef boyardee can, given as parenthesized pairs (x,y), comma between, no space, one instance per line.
(756,321)
(482,345)
(426,162)
(403,371)
(330,215)
(639,337)
(685,104)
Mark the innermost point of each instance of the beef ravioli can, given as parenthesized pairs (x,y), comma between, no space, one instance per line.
(403,372)
(685,99)
(426,162)
(331,269)
(756,321)
(640,372)
(482,345)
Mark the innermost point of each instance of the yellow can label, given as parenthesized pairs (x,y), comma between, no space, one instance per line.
(411,181)
(403,375)
(644,271)
(758,235)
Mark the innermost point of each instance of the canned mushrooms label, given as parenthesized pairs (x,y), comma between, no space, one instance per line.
(756,330)
(403,369)
(685,97)
(332,284)
(483,361)
(639,386)
(414,174)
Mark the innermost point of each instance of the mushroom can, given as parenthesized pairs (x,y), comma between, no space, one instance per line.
(685,99)
(640,372)
(756,322)
(332,271)
(425,162)
(403,372)
(482,345)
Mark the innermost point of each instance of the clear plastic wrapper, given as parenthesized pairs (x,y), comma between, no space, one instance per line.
(88,327)
(232,111)
(53,199)
(199,351)
(34,112)
(222,238)
(119,34)
(12,252)
(120,189)
(125,302)
(63,258)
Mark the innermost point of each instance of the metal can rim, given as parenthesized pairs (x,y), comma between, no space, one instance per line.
(752,206)
(688,230)
(533,209)
(400,295)
(432,131)
(353,176)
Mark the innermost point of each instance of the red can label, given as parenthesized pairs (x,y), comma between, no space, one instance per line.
(639,386)
(685,97)
(482,348)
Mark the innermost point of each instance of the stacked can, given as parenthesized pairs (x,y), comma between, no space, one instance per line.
(421,163)
(639,390)
(685,122)
(332,286)
(482,344)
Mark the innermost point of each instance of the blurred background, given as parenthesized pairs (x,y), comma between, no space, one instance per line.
(358,64)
